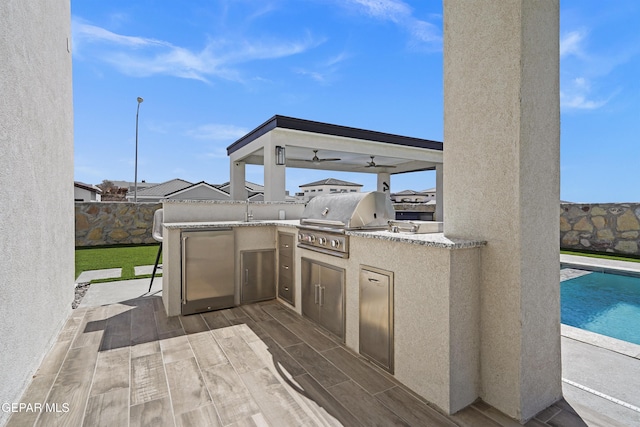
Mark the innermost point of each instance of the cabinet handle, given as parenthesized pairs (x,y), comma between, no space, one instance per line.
(316,293)
(371,279)
(286,288)
(322,296)
(246,276)
(286,267)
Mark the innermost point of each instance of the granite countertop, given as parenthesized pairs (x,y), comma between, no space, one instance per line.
(437,240)
(229,202)
(227,224)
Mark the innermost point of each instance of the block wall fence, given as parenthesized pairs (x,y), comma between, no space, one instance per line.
(597,227)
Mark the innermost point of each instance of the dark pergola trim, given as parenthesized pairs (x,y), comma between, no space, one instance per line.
(284,122)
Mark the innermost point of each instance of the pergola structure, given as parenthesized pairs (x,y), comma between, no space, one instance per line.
(284,142)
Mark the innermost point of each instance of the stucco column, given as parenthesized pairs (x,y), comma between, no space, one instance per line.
(439,192)
(274,175)
(502,133)
(238,191)
(384,182)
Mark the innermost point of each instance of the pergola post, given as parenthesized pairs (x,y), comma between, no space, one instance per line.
(439,192)
(238,191)
(274,175)
(384,182)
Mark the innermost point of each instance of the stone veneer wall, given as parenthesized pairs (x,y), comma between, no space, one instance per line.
(114,223)
(601,227)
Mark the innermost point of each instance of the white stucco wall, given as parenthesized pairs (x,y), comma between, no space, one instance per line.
(36,186)
(501,185)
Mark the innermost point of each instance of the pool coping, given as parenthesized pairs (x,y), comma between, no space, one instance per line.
(623,268)
(602,341)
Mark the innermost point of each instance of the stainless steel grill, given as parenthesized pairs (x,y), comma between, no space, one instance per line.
(326,218)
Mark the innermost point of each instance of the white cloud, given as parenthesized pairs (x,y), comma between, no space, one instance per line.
(401,14)
(325,71)
(217,132)
(576,94)
(141,56)
(583,72)
(571,43)
(396,11)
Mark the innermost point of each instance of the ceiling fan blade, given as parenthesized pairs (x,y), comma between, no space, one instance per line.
(373,164)
(317,159)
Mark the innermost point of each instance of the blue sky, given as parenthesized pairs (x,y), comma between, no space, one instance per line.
(210,71)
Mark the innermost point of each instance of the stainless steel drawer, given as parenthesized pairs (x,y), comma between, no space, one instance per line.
(285,244)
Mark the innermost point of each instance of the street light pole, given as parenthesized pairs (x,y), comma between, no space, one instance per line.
(135,184)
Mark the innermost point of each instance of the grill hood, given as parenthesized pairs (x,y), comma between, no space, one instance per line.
(349,211)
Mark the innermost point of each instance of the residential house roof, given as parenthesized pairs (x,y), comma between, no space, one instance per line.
(165,188)
(250,186)
(199,191)
(88,187)
(331,181)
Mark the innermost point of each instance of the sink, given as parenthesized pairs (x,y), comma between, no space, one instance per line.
(415,227)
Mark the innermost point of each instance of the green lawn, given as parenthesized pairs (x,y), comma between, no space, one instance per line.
(601,255)
(125,257)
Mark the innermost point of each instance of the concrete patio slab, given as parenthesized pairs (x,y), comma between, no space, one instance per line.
(114,292)
(146,269)
(601,381)
(109,273)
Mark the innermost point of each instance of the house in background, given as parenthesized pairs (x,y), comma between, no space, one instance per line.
(198,191)
(86,192)
(155,193)
(411,196)
(326,186)
(179,189)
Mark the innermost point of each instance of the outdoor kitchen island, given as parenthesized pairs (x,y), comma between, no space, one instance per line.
(435,298)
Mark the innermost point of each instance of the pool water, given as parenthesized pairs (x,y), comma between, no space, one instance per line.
(607,304)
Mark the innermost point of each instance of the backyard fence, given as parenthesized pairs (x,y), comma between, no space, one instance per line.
(114,223)
(598,227)
(601,227)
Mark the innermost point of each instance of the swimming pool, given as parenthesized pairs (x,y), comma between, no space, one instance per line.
(604,303)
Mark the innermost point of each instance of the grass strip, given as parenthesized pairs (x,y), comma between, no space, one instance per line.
(125,257)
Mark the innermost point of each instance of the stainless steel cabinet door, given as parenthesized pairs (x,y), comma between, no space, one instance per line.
(323,295)
(331,299)
(376,316)
(310,289)
(258,275)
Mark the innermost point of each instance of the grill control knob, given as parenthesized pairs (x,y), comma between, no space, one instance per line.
(311,238)
(335,243)
(322,240)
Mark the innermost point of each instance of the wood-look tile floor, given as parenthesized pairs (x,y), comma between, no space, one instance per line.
(128,364)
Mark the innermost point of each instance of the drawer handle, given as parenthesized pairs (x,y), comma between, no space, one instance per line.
(286,246)
(371,279)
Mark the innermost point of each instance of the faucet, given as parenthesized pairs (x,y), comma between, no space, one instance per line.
(248,215)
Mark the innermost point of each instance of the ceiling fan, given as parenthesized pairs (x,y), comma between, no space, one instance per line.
(373,164)
(317,160)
